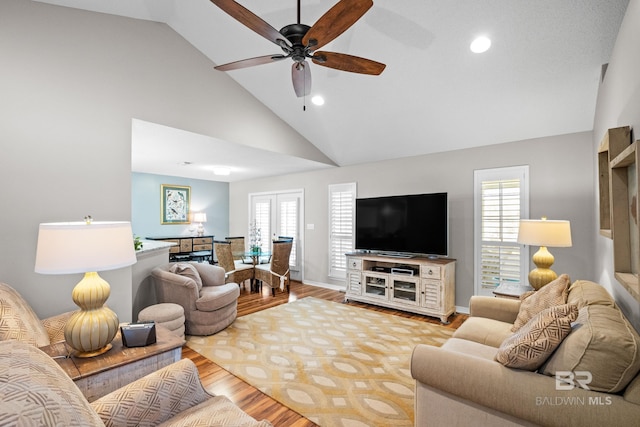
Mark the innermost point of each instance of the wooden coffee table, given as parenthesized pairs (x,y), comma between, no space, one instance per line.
(100,375)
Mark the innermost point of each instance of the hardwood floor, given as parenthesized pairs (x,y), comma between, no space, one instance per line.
(260,406)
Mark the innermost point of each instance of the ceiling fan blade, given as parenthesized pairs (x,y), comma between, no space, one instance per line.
(301,76)
(336,21)
(250,20)
(250,62)
(344,62)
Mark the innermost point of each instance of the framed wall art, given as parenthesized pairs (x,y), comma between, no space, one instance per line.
(175,204)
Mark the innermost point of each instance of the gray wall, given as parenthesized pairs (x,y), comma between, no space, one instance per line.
(561,187)
(71,81)
(619,105)
(210,197)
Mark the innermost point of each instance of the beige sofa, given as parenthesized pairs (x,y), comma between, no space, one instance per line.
(19,322)
(36,392)
(462,384)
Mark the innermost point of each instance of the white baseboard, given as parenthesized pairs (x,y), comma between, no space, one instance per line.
(325,285)
(463,310)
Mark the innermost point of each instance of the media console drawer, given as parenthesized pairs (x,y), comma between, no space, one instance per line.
(354,264)
(430,271)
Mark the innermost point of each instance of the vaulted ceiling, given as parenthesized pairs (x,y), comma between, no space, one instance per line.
(539,78)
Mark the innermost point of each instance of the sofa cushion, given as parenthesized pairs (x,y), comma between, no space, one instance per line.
(187,270)
(584,292)
(215,297)
(18,321)
(553,293)
(470,348)
(217,411)
(603,343)
(530,347)
(484,331)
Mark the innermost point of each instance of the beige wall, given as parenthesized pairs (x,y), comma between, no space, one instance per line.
(561,187)
(70,83)
(619,105)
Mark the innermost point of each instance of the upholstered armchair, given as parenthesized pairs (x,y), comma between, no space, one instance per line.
(19,322)
(36,391)
(209,303)
(236,271)
(276,274)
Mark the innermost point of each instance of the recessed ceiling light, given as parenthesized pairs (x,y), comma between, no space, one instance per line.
(317,100)
(480,44)
(221,170)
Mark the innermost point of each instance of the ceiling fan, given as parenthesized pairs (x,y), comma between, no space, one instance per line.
(299,41)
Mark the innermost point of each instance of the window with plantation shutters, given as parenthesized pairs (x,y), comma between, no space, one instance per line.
(262,218)
(341,228)
(288,225)
(500,199)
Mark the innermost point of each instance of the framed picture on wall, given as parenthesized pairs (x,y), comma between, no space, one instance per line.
(175,204)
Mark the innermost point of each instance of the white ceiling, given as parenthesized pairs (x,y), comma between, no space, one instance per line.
(162,150)
(539,78)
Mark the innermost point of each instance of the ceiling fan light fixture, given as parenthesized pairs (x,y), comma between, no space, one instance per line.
(480,44)
(300,42)
(317,100)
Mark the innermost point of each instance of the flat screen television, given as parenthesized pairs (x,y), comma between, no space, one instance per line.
(410,224)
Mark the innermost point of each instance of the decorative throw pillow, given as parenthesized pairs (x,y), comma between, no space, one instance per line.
(187,270)
(553,293)
(530,347)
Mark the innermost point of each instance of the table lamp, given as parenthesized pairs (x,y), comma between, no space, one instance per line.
(87,247)
(200,217)
(544,233)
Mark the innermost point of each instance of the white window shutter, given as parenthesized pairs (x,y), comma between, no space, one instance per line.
(341,227)
(289,223)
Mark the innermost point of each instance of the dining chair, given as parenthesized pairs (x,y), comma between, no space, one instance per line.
(276,273)
(238,249)
(235,271)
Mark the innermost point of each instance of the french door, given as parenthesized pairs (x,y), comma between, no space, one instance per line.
(279,214)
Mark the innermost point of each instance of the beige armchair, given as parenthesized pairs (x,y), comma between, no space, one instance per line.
(36,391)
(276,274)
(19,322)
(209,303)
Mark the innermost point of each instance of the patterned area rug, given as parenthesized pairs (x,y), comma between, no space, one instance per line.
(335,364)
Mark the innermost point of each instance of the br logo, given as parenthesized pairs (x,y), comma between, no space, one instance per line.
(568,380)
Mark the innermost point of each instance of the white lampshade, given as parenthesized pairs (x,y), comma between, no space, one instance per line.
(543,232)
(80,247)
(199,217)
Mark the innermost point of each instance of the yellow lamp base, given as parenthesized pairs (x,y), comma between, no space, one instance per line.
(540,276)
(85,354)
(90,330)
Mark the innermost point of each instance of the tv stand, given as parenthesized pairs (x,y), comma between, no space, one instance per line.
(418,284)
